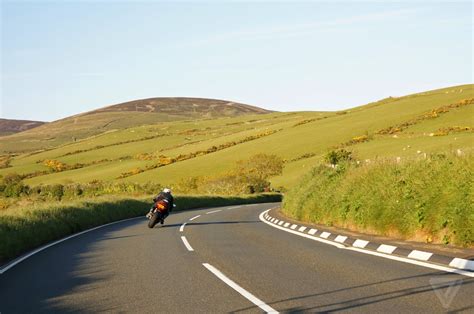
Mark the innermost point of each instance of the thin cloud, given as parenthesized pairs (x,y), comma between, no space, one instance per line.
(304,29)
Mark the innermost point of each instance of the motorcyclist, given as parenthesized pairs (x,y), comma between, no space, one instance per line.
(163,195)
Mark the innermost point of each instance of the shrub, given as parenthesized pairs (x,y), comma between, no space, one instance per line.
(335,157)
(12,186)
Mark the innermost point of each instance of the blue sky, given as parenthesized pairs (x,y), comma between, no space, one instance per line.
(64,57)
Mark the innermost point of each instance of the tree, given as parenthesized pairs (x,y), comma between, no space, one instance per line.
(256,170)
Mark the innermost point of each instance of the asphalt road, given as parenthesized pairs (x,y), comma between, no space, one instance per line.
(127,267)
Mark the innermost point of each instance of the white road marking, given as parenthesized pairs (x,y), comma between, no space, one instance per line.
(191,219)
(239,289)
(422,256)
(281,223)
(286,224)
(186,244)
(462,263)
(303,228)
(391,257)
(293,227)
(234,207)
(360,243)
(214,211)
(22,258)
(340,239)
(325,235)
(312,231)
(384,248)
(181,229)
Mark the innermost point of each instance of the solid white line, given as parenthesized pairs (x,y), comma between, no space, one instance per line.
(22,258)
(181,229)
(384,248)
(340,239)
(214,211)
(312,231)
(325,235)
(360,243)
(191,219)
(239,289)
(186,244)
(391,257)
(422,256)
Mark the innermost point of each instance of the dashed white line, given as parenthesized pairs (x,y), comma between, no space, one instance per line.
(214,211)
(234,207)
(293,227)
(281,223)
(340,239)
(312,231)
(239,289)
(384,248)
(186,244)
(458,263)
(181,229)
(286,224)
(360,243)
(422,256)
(302,229)
(191,219)
(325,235)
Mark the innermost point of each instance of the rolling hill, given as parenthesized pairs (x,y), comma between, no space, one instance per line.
(10,126)
(122,116)
(396,127)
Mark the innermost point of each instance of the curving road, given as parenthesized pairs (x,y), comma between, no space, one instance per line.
(225,260)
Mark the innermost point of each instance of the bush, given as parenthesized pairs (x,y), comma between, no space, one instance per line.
(12,186)
(335,157)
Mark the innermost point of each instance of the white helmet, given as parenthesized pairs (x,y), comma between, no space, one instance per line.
(166,190)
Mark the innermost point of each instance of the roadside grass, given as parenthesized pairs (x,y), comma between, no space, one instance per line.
(429,200)
(25,228)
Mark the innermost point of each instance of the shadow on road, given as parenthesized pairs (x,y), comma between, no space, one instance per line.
(344,303)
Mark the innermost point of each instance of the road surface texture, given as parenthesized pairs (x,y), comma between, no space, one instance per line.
(225,260)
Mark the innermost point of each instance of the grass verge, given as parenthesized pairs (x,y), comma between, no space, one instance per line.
(25,229)
(429,200)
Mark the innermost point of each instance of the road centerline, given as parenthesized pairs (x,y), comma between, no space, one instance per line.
(186,244)
(191,219)
(214,211)
(239,289)
(181,229)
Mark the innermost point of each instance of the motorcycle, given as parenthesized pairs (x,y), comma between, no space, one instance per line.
(159,213)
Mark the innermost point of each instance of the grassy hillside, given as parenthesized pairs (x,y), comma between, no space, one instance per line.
(426,199)
(405,127)
(151,111)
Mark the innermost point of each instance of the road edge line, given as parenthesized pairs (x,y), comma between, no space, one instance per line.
(466,273)
(44,247)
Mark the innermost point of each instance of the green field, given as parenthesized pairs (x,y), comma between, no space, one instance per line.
(300,138)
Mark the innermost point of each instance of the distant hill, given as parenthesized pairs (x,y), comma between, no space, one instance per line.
(184,107)
(9,126)
(150,111)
